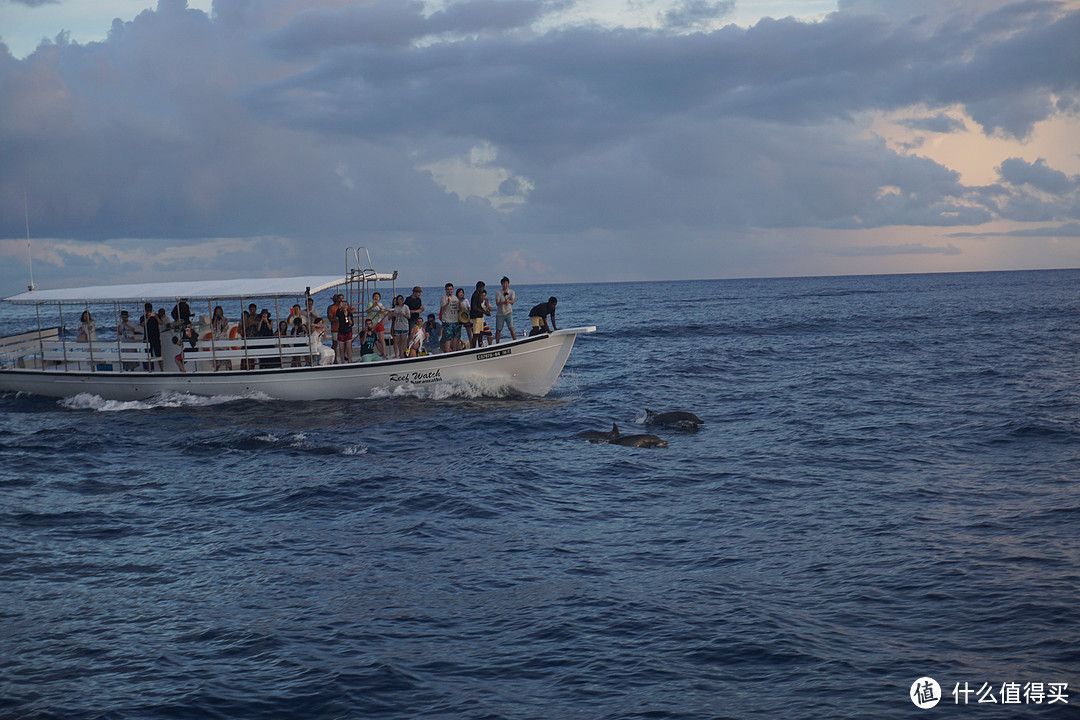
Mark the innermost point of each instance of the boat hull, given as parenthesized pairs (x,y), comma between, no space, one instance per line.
(528,366)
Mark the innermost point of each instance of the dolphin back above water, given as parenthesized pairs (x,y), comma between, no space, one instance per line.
(678,419)
(640,441)
(599,436)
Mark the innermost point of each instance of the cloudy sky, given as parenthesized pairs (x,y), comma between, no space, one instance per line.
(553,140)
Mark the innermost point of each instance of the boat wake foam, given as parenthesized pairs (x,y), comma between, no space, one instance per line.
(449,389)
(88,401)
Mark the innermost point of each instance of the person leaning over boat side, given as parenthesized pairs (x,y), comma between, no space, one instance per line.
(415,304)
(504,309)
(371,345)
(538,317)
(399,325)
(449,308)
(152,330)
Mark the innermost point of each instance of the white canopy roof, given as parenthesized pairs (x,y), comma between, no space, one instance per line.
(190,290)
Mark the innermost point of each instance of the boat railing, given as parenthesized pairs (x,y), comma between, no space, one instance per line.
(362,279)
(207,355)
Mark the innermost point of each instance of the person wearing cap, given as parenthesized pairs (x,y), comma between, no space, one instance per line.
(415,305)
(126,329)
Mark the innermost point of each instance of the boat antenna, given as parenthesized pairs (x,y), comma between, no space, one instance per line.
(29,255)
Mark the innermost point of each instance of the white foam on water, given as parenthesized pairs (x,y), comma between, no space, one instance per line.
(462,388)
(88,401)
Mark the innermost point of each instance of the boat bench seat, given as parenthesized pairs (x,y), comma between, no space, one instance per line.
(97,352)
(16,349)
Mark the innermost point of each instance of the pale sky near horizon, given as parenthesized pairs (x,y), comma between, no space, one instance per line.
(548,139)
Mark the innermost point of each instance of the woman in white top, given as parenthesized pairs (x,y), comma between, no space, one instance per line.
(399,322)
(219,324)
(318,334)
(87,328)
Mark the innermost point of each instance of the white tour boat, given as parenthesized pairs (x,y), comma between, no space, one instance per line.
(53,361)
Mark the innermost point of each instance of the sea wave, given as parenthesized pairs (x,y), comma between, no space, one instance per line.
(293,443)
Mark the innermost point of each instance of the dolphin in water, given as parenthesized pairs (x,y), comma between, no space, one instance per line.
(640,441)
(599,436)
(679,420)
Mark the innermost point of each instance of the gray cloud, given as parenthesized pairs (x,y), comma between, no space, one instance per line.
(694,13)
(940,123)
(1038,175)
(400,22)
(276,119)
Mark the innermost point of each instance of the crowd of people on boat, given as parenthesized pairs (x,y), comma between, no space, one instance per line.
(378,331)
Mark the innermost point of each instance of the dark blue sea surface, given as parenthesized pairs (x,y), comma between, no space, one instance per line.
(885,488)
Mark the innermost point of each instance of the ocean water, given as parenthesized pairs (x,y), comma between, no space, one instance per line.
(885,488)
